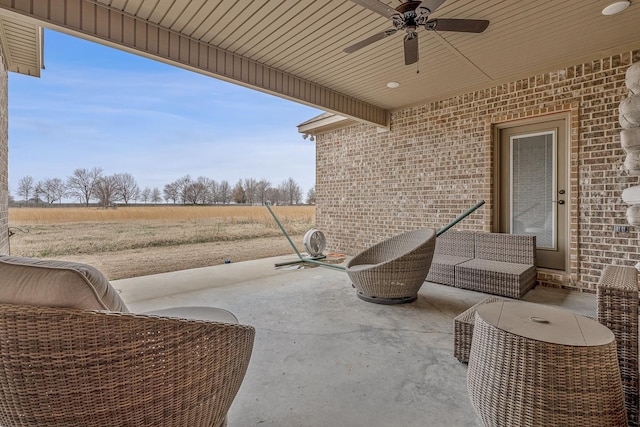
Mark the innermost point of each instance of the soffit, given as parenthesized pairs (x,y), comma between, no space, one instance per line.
(300,44)
(21,46)
(306,39)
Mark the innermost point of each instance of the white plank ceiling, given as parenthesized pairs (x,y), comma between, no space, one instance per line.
(304,40)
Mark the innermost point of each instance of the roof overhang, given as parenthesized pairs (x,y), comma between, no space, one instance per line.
(97,21)
(21,43)
(295,49)
(324,122)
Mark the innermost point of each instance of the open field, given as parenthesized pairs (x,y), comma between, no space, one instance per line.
(136,241)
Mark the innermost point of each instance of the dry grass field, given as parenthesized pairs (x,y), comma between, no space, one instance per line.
(136,241)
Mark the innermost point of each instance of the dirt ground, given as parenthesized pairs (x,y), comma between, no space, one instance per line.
(145,261)
(140,241)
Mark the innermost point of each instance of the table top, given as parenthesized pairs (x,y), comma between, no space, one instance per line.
(543,323)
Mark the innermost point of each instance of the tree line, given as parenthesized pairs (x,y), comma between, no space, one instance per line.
(92,185)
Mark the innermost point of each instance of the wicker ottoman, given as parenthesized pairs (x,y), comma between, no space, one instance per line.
(532,365)
(463,330)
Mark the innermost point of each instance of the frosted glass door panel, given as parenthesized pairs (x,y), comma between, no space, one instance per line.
(533,187)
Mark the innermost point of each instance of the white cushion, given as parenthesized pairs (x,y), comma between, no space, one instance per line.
(631,195)
(51,283)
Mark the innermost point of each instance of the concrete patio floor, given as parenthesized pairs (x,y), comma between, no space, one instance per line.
(322,357)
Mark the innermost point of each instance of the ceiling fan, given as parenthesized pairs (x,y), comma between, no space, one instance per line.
(409,16)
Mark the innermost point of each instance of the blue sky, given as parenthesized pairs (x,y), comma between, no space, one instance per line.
(98,106)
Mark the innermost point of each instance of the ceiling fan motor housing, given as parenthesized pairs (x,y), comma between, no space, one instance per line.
(406,17)
(409,16)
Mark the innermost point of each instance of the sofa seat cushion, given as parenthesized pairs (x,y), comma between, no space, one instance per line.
(449,259)
(495,277)
(52,283)
(443,268)
(496,266)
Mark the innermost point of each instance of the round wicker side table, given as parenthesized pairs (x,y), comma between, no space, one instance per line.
(532,365)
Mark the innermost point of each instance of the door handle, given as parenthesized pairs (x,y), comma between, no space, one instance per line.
(560,202)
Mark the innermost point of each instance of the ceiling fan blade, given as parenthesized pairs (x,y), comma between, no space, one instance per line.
(427,7)
(461,25)
(377,7)
(411,49)
(369,40)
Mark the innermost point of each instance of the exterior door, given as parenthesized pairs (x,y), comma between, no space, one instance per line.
(533,187)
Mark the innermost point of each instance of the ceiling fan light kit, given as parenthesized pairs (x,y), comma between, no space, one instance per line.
(409,16)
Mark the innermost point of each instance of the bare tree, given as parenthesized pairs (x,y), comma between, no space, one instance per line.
(52,189)
(82,183)
(145,195)
(250,185)
(238,194)
(190,194)
(213,195)
(25,187)
(105,190)
(274,195)
(205,187)
(182,185)
(262,189)
(311,196)
(291,192)
(37,193)
(127,188)
(171,192)
(195,192)
(224,191)
(156,197)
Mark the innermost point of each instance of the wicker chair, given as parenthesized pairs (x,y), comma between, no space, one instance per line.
(71,354)
(68,367)
(392,271)
(617,297)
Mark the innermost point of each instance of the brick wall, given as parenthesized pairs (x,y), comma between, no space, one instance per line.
(4,165)
(437,161)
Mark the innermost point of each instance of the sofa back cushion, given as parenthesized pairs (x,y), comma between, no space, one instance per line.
(456,243)
(29,281)
(515,248)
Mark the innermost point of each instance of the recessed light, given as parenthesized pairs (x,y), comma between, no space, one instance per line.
(393,85)
(616,7)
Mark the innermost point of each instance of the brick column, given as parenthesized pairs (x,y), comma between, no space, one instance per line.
(4,159)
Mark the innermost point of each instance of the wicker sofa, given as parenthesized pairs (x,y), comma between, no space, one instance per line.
(452,248)
(494,263)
